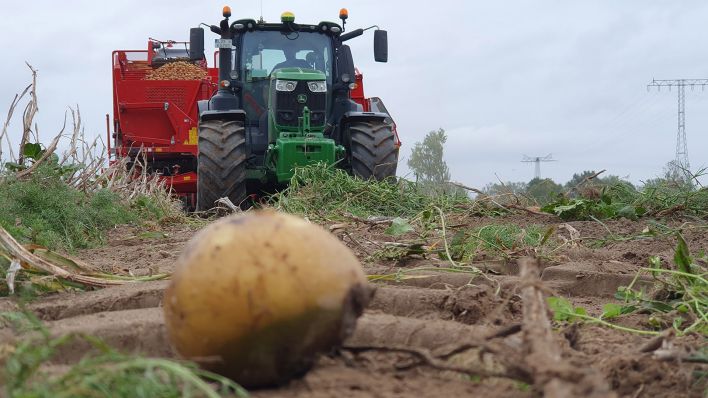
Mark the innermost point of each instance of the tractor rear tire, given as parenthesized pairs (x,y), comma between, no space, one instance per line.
(221,169)
(373,151)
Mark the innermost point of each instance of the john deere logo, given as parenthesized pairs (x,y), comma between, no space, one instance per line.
(302,98)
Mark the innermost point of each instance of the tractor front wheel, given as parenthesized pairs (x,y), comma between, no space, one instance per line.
(221,169)
(373,152)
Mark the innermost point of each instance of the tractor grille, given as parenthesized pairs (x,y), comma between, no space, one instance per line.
(289,109)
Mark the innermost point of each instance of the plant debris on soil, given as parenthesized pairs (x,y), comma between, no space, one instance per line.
(458,309)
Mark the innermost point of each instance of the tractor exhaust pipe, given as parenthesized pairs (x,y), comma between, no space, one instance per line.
(225,52)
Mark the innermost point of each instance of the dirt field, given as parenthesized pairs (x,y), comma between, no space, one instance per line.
(468,320)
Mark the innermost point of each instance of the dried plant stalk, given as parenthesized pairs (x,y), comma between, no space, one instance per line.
(28,115)
(12,249)
(84,166)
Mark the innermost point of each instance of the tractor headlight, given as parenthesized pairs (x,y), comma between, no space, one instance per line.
(285,85)
(318,86)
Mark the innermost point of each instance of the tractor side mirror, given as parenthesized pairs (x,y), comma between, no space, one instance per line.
(196,44)
(381,46)
(345,64)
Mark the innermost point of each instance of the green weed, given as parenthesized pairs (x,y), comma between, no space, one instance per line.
(107,374)
(328,192)
(680,302)
(497,241)
(563,311)
(624,201)
(44,210)
(467,246)
(614,202)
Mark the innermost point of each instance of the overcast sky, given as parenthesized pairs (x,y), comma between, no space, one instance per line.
(503,78)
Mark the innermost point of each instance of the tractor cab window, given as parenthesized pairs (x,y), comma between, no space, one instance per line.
(265,51)
(268,59)
(262,52)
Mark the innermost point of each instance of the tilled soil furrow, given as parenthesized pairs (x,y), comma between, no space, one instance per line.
(470,304)
(138,331)
(126,297)
(572,281)
(142,331)
(421,310)
(436,280)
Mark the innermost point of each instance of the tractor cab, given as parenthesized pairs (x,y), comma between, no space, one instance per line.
(280,71)
(281,75)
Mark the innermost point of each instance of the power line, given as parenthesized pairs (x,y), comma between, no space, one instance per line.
(621,127)
(681,161)
(537,160)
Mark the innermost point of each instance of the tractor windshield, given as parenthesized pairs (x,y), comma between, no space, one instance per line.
(262,52)
(265,51)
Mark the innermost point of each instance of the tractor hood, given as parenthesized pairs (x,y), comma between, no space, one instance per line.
(297,74)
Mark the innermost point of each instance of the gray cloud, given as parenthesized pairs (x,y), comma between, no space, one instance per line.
(503,78)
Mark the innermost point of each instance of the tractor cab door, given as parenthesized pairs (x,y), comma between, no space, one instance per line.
(257,66)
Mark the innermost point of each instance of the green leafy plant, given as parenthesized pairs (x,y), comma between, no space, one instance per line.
(612,310)
(621,200)
(33,152)
(682,293)
(652,230)
(614,202)
(502,241)
(563,311)
(328,192)
(399,226)
(682,297)
(43,209)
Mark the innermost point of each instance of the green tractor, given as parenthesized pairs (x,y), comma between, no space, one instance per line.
(287,97)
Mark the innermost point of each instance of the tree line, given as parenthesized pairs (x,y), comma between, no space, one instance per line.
(427,162)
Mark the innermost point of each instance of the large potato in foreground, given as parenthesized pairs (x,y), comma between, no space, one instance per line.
(256,297)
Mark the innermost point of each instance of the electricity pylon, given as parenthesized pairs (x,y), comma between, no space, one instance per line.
(681,144)
(538,160)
